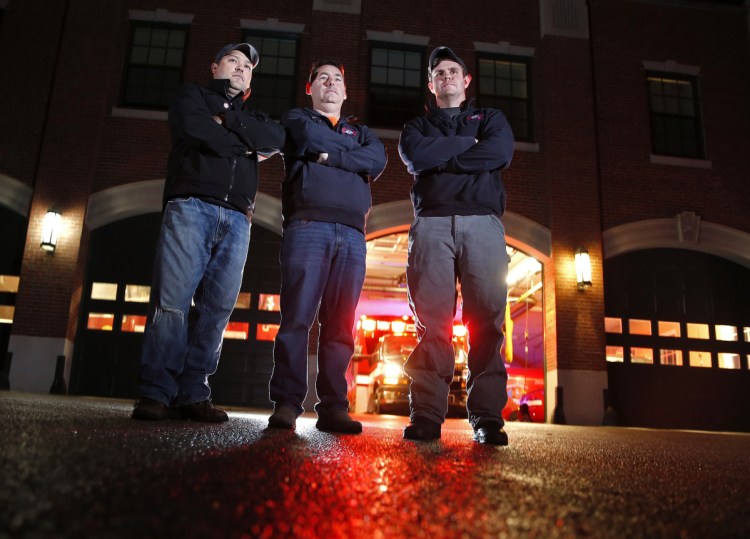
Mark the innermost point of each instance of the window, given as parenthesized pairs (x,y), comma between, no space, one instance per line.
(104,291)
(612,325)
(243,301)
(505,84)
(670,357)
(700,358)
(268,302)
(155,63)
(615,354)
(274,89)
(669,329)
(136,293)
(640,327)
(397,87)
(266,332)
(237,330)
(697,331)
(8,290)
(676,127)
(641,355)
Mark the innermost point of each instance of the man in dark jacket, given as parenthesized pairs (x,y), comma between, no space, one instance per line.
(212,180)
(325,201)
(455,153)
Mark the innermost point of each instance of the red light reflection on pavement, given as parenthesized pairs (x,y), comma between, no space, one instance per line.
(310,484)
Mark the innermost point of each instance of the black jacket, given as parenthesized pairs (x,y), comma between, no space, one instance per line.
(339,190)
(214,161)
(453,174)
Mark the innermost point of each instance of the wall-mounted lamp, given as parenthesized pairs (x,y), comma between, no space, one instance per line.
(583,268)
(51,230)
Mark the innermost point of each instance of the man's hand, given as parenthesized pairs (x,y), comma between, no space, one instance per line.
(323,158)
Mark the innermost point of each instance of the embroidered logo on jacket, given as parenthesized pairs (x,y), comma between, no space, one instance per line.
(346,130)
(475,117)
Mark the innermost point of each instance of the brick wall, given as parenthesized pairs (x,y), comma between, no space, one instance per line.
(63,62)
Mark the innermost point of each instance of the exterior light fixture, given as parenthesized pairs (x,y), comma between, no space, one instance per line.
(51,230)
(583,268)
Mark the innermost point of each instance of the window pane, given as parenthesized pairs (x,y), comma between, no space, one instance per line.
(6,314)
(641,355)
(640,327)
(669,329)
(243,301)
(700,359)
(137,293)
(9,283)
(106,291)
(746,333)
(729,361)
(670,357)
(697,331)
(613,325)
(237,330)
(615,354)
(133,323)
(726,333)
(101,321)
(266,332)
(268,302)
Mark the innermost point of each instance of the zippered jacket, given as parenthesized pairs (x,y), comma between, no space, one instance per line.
(453,173)
(337,191)
(217,161)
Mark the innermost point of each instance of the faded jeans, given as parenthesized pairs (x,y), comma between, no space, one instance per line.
(200,256)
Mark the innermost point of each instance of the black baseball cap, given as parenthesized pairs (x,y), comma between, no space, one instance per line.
(444,53)
(245,48)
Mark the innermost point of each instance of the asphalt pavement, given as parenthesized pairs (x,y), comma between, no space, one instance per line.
(80,467)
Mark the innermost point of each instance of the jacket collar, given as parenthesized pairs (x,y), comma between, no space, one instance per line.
(433,110)
(220,87)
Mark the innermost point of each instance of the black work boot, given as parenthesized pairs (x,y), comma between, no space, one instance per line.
(490,434)
(337,420)
(203,411)
(422,429)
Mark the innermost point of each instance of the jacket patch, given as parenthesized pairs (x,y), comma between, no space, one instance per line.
(475,117)
(346,130)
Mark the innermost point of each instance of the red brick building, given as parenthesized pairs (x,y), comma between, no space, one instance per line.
(632,125)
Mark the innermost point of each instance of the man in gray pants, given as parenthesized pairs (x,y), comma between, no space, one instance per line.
(456,152)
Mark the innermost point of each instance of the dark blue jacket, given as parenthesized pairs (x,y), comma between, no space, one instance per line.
(213,161)
(453,174)
(339,190)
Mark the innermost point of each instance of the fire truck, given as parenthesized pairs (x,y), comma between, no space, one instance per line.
(379,384)
(382,346)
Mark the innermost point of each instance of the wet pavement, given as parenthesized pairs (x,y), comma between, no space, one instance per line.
(79,467)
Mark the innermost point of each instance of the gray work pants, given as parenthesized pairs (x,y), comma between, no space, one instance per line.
(469,250)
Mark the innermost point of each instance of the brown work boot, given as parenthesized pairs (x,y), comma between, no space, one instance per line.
(150,410)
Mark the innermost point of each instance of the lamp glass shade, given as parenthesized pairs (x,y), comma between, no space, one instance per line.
(583,268)
(50,230)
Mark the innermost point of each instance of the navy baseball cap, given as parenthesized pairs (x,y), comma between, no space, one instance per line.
(245,48)
(444,53)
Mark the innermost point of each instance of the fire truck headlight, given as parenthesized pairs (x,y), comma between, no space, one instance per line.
(392,372)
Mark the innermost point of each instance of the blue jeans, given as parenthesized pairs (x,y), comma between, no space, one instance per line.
(200,256)
(322,266)
(442,251)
